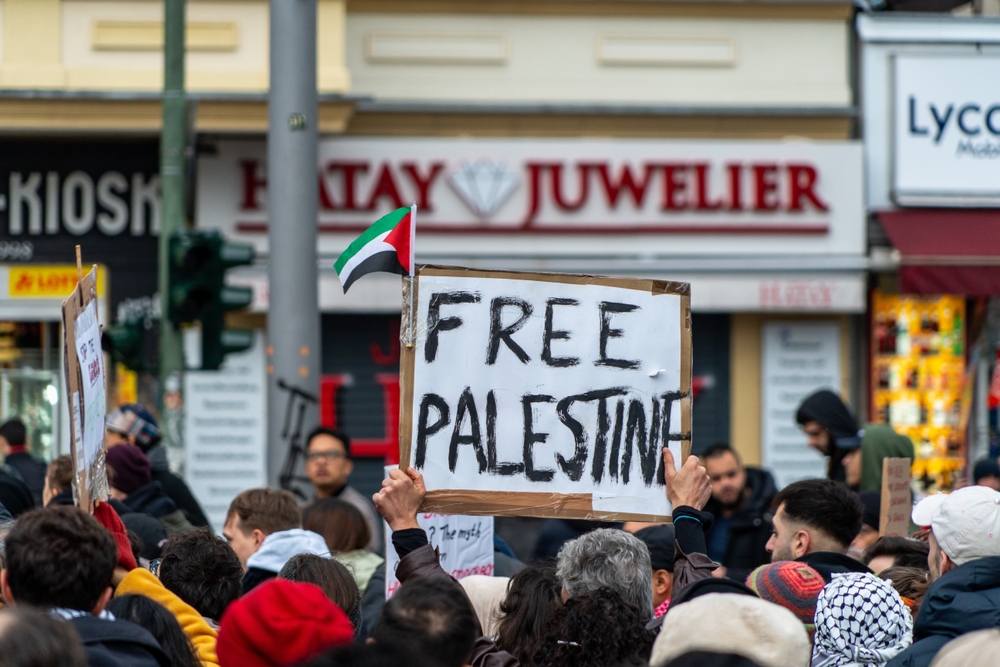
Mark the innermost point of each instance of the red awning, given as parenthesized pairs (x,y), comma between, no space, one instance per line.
(946,251)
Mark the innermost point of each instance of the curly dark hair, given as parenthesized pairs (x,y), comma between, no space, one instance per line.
(595,630)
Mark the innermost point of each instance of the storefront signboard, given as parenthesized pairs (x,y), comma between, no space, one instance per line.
(487,196)
(947,130)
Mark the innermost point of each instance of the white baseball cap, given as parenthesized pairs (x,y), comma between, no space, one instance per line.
(966,523)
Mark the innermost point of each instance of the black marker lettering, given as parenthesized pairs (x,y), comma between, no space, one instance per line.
(574,467)
(551,334)
(668,400)
(466,406)
(616,440)
(635,433)
(601,441)
(608,309)
(530,438)
(499,332)
(494,468)
(437,324)
(424,430)
(649,457)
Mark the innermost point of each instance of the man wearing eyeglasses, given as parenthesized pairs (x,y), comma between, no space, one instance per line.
(328,466)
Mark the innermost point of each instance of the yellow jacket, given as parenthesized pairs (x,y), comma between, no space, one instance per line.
(144,582)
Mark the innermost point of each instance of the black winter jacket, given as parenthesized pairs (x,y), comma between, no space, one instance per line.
(750,528)
(962,600)
(118,643)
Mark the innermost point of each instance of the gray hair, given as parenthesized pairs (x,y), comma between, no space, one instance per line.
(608,558)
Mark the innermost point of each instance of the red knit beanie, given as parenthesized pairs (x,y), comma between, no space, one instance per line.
(108,518)
(790,584)
(280,623)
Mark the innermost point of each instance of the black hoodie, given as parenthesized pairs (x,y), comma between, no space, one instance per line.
(825,408)
(749,528)
(118,643)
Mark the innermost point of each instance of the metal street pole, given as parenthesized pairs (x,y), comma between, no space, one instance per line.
(172,144)
(293,324)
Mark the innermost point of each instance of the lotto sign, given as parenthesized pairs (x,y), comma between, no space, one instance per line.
(545,395)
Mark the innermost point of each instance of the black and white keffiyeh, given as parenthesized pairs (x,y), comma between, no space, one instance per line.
(860,622)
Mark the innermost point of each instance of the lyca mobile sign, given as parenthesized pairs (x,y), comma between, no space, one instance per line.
(947,131)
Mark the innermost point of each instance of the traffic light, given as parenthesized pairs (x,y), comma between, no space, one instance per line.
(125,343)
(198,291)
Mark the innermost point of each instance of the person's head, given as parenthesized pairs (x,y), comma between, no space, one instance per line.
(860,619)
(743,625)
(973,649)
(328,459)
(59,557)
(987,473)
(429,617)
(607,558)
(58,478)
(256,513)
(729,477)
(827,422)
(32,638)
(660,542)
(911,583)
(533,594)
(130,471)
(280,623)
(485,593)
(13,437)
(131,424)
(201,569)
(341,524)
(814,515)
(964,527)
(710,659)
(149,532)
(889,552)
(160,623)
(789,584)
(335,580)
(871,501)
(595,630)
(852,467)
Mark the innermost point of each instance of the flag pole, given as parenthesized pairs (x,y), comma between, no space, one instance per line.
(413,274)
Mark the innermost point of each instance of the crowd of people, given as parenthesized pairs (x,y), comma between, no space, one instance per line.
(746,574)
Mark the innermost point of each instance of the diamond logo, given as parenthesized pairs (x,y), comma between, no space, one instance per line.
(484,185)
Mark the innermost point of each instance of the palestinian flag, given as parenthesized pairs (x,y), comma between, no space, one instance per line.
(386,246)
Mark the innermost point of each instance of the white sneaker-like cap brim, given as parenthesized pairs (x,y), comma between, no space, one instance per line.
(924,511)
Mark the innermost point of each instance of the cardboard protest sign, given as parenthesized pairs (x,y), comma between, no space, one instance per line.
(547,395)
(897,501)
(464,544)
(85,383)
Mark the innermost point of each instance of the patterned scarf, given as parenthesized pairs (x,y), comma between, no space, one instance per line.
(860,621)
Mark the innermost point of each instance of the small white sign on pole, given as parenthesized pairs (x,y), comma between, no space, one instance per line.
(465,545)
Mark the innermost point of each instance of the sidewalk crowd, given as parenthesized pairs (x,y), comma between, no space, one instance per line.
(745,575)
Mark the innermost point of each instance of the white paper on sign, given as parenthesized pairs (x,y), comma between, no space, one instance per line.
(465,545)
(88,354)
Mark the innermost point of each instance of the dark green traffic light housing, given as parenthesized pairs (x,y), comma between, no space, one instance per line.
(125,343)
(198,291)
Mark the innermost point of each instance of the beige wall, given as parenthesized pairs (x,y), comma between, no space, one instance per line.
(115,45)
(670,60)
(745,377)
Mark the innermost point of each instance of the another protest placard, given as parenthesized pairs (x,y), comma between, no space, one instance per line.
(897,501)
(464,544)
(85,384)
(547,395)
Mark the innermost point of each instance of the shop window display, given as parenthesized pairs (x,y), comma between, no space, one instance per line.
(918,376)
